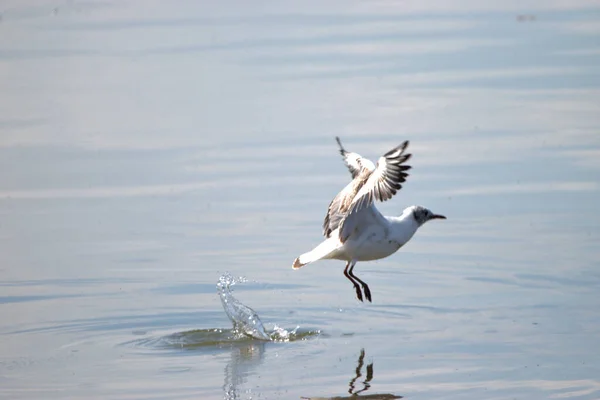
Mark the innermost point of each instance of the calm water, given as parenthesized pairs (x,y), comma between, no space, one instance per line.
(148,147)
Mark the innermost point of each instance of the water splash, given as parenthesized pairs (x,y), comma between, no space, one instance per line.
(245,320)
(282,335)
(247,327)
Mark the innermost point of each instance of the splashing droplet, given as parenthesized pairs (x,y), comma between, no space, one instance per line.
(245,320)
(280,334)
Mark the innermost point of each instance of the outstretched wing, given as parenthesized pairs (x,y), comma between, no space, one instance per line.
(381,184)
(354,161)
(360,168)
(341,203)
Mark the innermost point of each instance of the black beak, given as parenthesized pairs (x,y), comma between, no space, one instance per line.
(437,216)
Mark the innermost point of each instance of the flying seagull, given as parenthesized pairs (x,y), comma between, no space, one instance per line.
(354,229)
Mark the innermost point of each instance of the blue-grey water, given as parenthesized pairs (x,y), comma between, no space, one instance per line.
(149,147)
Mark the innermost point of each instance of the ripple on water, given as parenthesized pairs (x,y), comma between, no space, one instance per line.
(247,327)
(202,338)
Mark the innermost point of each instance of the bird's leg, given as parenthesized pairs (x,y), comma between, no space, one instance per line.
(356,287)
(364,285)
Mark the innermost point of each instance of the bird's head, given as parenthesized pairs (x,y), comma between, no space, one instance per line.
(422,214)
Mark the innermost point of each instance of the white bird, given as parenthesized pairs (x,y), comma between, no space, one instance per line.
(354,229)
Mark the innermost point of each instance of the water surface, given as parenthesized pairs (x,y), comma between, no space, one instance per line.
(147,148)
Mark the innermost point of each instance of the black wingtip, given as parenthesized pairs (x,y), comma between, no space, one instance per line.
(403,146)
(339,142)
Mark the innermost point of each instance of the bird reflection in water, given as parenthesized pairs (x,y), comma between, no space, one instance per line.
(366,384)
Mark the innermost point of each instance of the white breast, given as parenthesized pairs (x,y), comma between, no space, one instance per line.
(378,249)
(374,243)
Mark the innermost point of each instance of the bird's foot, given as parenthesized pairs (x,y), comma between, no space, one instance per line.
(359,292)
(367,292)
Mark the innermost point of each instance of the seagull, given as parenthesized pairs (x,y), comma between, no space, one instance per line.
(354,229)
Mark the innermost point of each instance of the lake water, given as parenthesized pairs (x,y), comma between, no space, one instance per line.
(149,147)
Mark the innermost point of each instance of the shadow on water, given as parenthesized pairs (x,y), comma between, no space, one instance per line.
(356,387)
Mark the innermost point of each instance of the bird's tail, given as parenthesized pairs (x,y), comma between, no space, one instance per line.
(323,251)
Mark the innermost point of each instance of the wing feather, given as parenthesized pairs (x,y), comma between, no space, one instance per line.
(360,168)
(341,204)
(354,161)
(380,184)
